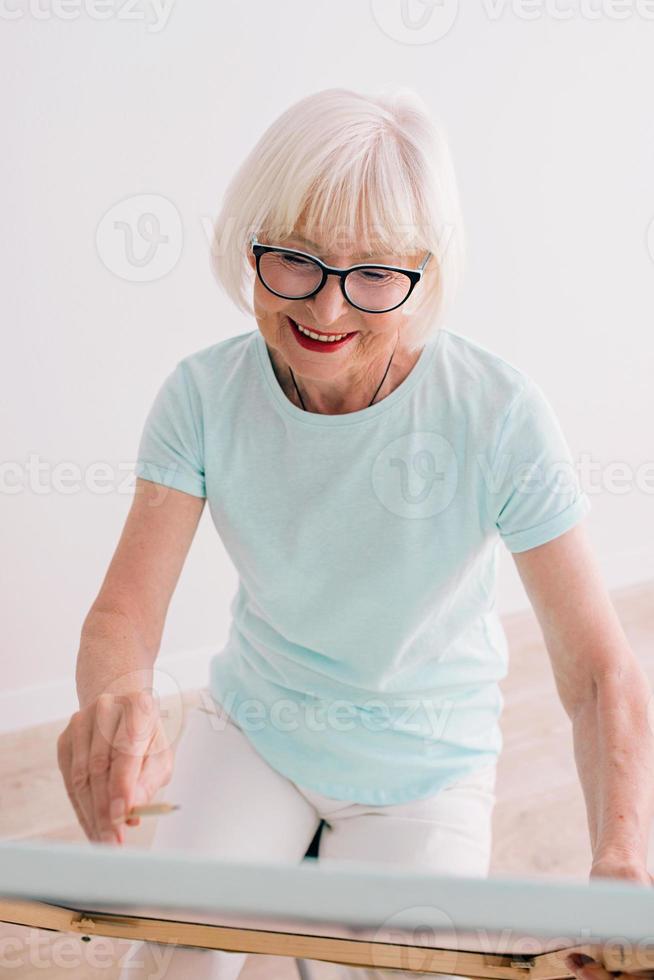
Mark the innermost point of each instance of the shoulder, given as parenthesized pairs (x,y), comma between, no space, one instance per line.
(487,382)
(501,403)
(474,362)
(211,368)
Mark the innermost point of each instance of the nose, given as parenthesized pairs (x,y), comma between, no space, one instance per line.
(329,304)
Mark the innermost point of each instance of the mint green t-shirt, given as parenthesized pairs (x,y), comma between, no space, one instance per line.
(365,649)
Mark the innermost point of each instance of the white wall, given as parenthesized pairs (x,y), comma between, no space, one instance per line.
(550,123)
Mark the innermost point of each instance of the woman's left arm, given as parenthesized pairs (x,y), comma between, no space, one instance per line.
(606,695)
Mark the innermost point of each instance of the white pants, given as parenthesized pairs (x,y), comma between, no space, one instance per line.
(235,806)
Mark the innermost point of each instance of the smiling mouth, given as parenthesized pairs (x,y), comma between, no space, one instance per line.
(320,335)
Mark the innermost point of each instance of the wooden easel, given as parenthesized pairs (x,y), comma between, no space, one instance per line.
(87,923)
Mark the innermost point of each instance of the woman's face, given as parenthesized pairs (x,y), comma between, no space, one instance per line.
(372,335)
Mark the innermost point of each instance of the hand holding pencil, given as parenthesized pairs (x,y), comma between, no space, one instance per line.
(123,733)
(147,810)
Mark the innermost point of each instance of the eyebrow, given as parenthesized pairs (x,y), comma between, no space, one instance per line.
(300,238)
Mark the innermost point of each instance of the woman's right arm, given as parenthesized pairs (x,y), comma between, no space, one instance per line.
(115,746)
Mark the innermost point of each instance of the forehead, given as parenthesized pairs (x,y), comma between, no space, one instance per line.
(345,248)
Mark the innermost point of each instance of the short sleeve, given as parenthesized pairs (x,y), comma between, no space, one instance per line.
(533,489)
(171,446)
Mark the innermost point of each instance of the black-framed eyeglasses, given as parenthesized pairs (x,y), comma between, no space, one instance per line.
(370,287)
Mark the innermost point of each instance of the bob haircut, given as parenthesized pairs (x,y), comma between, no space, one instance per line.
(374,170)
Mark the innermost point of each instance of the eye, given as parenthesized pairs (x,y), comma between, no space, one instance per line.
(296,261)
(373,275)
(377,275)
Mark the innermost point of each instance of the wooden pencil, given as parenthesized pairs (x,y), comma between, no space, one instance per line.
(148,810)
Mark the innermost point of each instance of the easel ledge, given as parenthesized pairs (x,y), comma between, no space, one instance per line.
(86,923)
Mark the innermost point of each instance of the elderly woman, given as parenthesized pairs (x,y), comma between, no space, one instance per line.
(361,464)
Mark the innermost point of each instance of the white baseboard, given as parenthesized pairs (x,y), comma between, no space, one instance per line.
(29,706)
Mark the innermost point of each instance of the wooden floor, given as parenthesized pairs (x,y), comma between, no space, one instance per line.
(539,822)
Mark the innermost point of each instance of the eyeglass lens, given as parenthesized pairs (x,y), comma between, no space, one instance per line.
(295,277)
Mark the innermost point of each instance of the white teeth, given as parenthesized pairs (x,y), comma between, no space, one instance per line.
(315,336)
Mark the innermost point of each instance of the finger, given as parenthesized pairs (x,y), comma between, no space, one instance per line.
(81,731)
(107,717)
(133,737)
(156,771)
(64,760)
(585,967)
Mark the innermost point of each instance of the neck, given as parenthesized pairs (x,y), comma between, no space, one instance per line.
(351,392)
